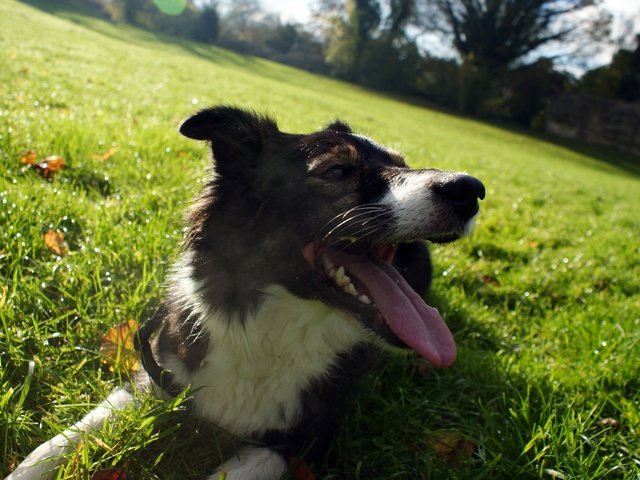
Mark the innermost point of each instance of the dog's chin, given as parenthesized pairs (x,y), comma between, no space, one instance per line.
(452,235)
(359,280)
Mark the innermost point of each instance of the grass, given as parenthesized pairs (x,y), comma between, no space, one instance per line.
(543,299)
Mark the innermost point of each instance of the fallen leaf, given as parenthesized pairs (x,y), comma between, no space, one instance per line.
(28,157)
(300,470)
(489,280)
(118,348)
(105,155)
(452,447)
(47,167)
(12,463)
(55,241)
(110,474)
(609,422)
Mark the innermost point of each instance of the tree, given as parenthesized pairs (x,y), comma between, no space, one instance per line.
(366,42)
(347,27)
(400,14)
(618,80)
(282,37)
(207,26)
(528,89)
(494,34)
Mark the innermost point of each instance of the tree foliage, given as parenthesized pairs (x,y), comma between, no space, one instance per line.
(494,34)
(618,80)
(366,42)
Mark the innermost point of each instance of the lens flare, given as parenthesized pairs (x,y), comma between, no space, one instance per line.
(171,7)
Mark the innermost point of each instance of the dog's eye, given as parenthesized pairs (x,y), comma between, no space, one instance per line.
(337,172)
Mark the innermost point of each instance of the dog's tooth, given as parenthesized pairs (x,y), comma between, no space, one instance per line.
(364,299)
(327,263)
(350,289)
(341,278)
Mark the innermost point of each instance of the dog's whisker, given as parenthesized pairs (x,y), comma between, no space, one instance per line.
(363,218)
(353,230)
(370,207)
(364,233)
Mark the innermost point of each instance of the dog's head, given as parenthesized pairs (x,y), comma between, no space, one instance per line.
(322,214)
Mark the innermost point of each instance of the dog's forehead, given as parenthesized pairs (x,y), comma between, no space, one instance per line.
(347,147)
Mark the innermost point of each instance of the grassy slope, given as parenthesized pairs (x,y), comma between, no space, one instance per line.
(543,298)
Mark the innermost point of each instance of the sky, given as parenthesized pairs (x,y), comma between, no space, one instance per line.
(299,11)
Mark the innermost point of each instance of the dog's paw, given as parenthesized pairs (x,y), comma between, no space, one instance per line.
(252,463)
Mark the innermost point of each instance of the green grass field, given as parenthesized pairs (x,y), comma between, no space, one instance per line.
(543,299)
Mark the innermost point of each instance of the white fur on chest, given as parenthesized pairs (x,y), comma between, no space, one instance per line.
(253,375)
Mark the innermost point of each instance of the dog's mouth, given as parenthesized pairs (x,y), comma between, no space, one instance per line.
(364,282)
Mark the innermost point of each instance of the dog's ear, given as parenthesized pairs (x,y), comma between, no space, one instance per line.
(339,126)
(235,134)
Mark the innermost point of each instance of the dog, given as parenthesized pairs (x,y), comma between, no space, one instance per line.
(303,256)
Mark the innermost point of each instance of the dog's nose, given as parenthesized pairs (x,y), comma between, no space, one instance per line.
(462,192)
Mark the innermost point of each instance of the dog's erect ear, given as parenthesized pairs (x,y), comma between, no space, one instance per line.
(339,126)
(234,133)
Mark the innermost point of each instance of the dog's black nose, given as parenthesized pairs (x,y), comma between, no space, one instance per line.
(462,192)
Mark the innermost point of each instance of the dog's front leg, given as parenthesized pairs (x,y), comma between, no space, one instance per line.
(44,461)
(252,463)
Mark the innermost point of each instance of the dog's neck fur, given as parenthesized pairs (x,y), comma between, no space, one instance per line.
(274,354)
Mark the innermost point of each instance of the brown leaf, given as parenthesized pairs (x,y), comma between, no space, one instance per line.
(105,155)
(489,280)
(28,157)
(118,347)
(300,470)
(609,422)
(49,166)
(117,473)
(55,241)
(12,463)
(452,447)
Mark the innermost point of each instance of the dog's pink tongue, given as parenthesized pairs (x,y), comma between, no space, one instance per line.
(417,324)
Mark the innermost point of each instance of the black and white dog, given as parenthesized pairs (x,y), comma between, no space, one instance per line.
(299,260)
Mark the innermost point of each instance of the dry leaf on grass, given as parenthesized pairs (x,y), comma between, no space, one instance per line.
(110,474)
(105,155)
(118,347)
(29,157)
(452,447)
(55,242)
(47,167)
(489,280)
(609,422)
(300,470)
